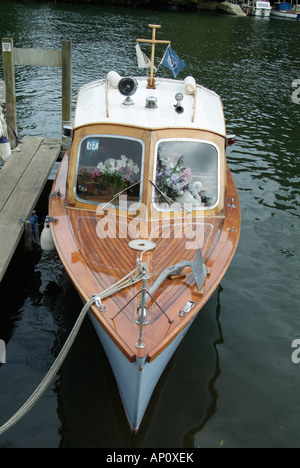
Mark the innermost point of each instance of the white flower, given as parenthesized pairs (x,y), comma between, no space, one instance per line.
(130,164)
(100,166)
(111,166)
(135,169)
(119,164)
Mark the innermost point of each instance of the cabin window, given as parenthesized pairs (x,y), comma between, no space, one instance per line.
(186,173)
(263,5)
(108,165)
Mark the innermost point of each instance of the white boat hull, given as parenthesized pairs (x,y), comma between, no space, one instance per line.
(286,14)
(136,380)
(258,8)
(263,13)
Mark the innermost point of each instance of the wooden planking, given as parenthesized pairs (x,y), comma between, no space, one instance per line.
(37,57)
(22,180)
(15,166)
(93,262)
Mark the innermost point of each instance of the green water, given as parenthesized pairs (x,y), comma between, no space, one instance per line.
(232,382)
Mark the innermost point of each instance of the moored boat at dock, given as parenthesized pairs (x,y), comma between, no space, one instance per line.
(145,216)
(286,10)
(259,8)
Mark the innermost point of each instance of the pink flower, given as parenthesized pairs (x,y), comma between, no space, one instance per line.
(96,173)
(186,174)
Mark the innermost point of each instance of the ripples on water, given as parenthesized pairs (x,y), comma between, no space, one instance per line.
(238,385)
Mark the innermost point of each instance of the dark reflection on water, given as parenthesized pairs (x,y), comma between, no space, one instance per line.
(232,382)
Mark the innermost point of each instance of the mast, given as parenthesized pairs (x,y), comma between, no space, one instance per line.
(153,41)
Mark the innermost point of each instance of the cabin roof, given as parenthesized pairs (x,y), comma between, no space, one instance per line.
(100,102)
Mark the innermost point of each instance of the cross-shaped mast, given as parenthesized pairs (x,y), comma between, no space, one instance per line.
(153,41)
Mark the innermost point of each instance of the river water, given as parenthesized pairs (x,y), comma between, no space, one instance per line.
(232,382)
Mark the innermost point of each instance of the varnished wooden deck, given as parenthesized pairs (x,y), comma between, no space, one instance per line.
(96,261)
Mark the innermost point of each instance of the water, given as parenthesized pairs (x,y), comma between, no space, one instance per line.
(232,382)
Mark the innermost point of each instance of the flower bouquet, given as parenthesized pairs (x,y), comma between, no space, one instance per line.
(174,180)
(115,173)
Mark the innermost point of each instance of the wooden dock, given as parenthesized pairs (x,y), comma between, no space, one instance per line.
(22,180)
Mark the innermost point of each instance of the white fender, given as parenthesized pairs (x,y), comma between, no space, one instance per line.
(5,149)
(189,85)
(113,78)
(47,243)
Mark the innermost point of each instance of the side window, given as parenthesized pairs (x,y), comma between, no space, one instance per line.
(108,165)
(186,173)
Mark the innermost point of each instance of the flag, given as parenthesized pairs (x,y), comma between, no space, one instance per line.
(143,61)
(172,61)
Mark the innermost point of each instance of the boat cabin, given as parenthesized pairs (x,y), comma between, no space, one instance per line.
(152,148)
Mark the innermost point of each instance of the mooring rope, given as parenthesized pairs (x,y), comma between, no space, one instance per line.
(123,283)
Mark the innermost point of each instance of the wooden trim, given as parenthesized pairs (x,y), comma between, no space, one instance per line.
(66,64)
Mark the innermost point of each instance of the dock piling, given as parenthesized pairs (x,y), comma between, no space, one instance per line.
(35,57)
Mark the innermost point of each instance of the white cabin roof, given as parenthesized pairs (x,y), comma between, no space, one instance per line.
(100,102)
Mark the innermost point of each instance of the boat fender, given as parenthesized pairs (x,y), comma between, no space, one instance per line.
(31,233)
(5,149)
(189,85)
(34,227)
(3,125)
(47,243)
(113,78)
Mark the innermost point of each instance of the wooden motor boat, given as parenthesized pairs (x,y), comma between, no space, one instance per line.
(145,217)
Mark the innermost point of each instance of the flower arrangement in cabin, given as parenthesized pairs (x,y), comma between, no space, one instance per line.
(116,173)
(174,180)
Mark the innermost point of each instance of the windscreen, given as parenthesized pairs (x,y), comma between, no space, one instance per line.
(108,165)
(186,172)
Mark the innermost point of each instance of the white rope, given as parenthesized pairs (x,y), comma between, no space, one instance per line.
(121,284)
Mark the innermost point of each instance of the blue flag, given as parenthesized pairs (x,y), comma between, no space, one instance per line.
(172,61)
